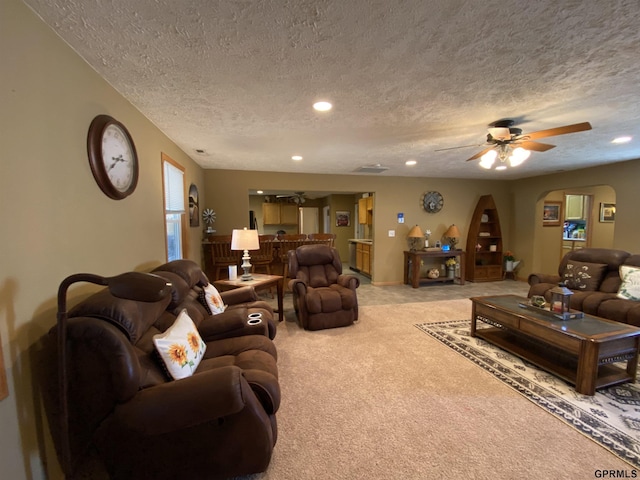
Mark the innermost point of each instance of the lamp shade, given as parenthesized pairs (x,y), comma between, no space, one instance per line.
(245,239)
(452,232)
(415,232)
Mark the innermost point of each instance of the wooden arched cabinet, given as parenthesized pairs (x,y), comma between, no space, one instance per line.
(484,243)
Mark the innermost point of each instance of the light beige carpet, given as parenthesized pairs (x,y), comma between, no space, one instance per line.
(382,400)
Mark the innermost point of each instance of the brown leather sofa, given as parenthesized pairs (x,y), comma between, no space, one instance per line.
(322,296)
(139,423)
(188,279)
(601,298)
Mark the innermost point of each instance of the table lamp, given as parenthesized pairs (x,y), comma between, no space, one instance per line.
(452,235)
(416,238)
(245,240)
(142,287)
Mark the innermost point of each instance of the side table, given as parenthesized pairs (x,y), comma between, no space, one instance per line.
(259,282)
(412,275)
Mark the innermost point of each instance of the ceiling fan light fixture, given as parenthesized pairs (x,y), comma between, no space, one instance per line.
(518,156)
(501,167)
(486,160)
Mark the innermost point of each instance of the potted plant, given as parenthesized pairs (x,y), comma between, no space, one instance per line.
(509,260)
(451,266)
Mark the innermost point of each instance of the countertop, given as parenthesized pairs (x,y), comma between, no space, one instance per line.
(367,241)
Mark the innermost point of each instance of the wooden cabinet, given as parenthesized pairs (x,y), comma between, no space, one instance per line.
(279,214)
(365,210)
(364,253)
(575,207)
(484,243)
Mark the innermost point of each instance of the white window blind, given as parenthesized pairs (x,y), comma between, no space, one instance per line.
(173,189)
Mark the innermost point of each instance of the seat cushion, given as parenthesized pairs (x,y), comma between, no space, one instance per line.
(330,299)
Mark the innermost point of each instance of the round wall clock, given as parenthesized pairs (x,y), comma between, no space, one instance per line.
(432,202)
(113,157)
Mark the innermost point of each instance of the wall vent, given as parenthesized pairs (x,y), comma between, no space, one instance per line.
(371,169)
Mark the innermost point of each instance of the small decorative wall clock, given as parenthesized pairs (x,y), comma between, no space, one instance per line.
(432,202)
(112,157)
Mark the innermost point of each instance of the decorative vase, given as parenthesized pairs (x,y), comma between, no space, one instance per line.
(451,271)
(508,265)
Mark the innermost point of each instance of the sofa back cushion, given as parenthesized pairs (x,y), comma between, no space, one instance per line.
(583,276)
(316,265)
(610,280)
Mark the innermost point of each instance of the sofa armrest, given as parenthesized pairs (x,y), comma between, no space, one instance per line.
(298,285)
(266,388)
(349,281)
(203,397)
(228,324)
(535,278)
(239,295)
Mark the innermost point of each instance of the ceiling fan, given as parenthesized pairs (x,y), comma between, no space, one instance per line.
(297,197)
(506,142)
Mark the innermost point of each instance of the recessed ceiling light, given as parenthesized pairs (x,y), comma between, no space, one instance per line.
(296,157)
(322,106)
(625,139)
(259,192)
(410,163)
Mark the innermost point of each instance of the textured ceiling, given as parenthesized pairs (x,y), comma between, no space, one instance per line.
(407,77)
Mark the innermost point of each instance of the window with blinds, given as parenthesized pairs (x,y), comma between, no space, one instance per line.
(174,207)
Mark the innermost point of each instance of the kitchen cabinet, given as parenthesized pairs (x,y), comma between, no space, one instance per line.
(364,256)
(365,210)
(575,207)
(279,214)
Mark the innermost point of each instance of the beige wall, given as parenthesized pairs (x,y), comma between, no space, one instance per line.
(226,192)
(531,241)
(56,221)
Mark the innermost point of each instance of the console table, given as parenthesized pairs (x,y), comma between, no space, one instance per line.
(412,275)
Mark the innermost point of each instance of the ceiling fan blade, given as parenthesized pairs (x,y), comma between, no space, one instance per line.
(535,146)
(552,132)
(479,154)
(461,146)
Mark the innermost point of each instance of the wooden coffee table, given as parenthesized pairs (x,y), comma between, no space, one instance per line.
(260,282)
(582,351)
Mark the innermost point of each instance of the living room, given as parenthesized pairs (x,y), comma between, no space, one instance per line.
(64,224)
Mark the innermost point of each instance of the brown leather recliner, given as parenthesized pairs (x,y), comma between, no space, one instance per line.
(217,423)
(322,296)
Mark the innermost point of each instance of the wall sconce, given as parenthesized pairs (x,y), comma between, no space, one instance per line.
(245,240)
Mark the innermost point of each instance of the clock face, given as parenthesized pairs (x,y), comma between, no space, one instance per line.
(117,157)
(112,156)
(432,202)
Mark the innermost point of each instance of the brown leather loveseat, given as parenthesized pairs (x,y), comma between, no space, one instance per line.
(593,274)
(126,411)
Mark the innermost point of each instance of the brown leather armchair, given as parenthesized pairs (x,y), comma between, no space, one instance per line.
(219,422)
(322,296)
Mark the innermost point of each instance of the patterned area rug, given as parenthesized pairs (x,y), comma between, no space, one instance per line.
(610,418)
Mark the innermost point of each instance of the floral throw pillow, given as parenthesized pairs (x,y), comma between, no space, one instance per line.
(630,287)
(583,276)
(211,300)
(180,347)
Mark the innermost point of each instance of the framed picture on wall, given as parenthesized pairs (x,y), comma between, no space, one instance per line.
(194,209)
(552,214)
(607,212)
(343,218)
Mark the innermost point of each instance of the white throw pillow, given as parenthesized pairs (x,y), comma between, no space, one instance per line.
(214,300)
(180,347)
(630,286)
